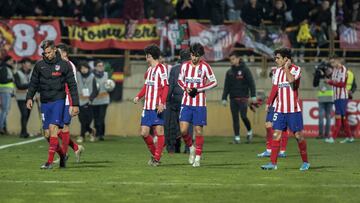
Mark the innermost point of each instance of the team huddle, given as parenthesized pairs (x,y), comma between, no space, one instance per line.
(54,78)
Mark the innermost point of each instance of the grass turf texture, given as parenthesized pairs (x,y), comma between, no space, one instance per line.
(116,170)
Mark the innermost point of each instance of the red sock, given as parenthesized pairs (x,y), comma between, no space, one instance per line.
(65,139)
(73,145)
(284,140)
(269,135)
(188,140)
(159,147)
(336,127)
(303,151)
(275,147)
(150,144)
(53,147)
(347,127)
(199,142)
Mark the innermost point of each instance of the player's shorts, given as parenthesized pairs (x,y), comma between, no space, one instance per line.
(52,113)
(292,121)
(270,114)
(66,116)
(193,114)
(340,106)
(151,118)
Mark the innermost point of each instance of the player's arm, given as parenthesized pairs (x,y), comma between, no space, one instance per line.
(34,83)
(181,79)
(212,80)
(95,91)
(226,90)
(71,82)
(250,80)
(338,84)
(164,84)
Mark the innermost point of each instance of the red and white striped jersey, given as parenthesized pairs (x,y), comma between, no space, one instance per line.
(339,76)
(287,94)
(68,97)
(155,79)
(200,77)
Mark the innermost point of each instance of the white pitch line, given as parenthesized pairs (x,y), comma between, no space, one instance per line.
(21,143)
(184,183)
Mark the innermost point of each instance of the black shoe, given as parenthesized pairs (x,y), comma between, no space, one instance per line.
(101,138)
(46,166)
(24,135)
(63,160)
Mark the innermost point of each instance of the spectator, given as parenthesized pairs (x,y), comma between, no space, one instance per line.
(22,80)
(355,11)
(76,9)
(162,9)
(252,13)
(87,92)
(93,11)
(267,6)
(216,10)
(6,90)
(342,13)
(233,9)
(186,9)
(114,9)
(133,11)
(101,101)
(277,15)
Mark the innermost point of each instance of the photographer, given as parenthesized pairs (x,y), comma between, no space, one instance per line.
(325,96)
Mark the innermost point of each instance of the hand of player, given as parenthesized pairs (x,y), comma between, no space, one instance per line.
(136,100)
(288,63)
(253,100)
(29,104)
(193,92)
(224,102)
(160,108)
(74,111)
(266,108)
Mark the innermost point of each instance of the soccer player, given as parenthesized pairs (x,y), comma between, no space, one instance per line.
(196,76)
(64,132)
(269,108)
(155,91)
(287,113)
(49,77)
(338,81)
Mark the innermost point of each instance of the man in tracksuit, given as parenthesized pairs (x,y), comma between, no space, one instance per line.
(238,83)
(175,94)
(49,77)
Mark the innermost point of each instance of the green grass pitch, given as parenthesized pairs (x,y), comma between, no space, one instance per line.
(116,170)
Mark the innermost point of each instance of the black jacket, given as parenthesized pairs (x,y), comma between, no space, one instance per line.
(238,82)
(175,93)
(49,78)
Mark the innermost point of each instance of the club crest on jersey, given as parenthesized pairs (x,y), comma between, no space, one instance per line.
(57,67)
(199,72)
(239,72)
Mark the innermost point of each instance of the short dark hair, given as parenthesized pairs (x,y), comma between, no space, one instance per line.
(184,55)
(284,52)
(197,49)
(24,60)
(153,50)
(83,63)
(235,53)
(97,62)
(63,47)
(47,43)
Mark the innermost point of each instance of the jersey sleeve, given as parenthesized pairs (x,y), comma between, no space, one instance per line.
(209,74)
(181,78)
(296,72)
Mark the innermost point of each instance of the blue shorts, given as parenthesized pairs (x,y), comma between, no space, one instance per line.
(293,121)
(340,106)
(151,118)
(66,116)
(270,114)
(52,113)
(193,114)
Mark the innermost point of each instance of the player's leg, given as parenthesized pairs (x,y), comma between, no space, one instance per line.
(199,120)
(185,118)
(295,123)
(349,138)
(146,123)
(158,122)
(243,113)
(234,108)
(279,124)
(338,121)
(269,133)
(283,143)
